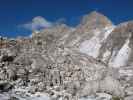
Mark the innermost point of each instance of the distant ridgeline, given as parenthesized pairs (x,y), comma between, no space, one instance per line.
(3,42)
(9,42)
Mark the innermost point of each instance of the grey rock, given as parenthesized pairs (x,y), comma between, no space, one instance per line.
(5,86)
(13,98)
(53,60)
(128,98)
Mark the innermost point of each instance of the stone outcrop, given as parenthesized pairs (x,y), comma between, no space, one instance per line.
(92,60)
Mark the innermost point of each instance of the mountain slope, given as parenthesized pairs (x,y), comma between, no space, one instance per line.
(93,59)
(119,45)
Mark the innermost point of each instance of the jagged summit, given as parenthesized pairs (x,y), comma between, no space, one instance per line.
(125,25)
(95,19)
(93,24)
(125,28)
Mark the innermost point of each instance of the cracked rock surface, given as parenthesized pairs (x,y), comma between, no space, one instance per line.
(92,61)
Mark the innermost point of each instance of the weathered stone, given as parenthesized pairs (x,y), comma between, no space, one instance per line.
(5,86)
(70,63)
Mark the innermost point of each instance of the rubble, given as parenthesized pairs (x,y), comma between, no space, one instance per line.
(53,62)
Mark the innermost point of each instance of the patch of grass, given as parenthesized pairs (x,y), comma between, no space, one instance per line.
(116,98)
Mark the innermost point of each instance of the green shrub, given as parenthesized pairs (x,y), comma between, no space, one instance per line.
(116,98)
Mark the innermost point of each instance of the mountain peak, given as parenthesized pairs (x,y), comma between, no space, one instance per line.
(95,13)
(96,19)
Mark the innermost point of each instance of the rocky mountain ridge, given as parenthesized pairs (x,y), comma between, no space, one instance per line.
(91,61)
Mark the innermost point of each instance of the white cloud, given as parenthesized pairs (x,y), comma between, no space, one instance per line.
(37,23)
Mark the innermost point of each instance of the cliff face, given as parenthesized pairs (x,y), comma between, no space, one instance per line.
(119,45)
(92,59)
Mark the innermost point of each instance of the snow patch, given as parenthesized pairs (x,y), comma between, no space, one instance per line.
(91,47)
(88,98)
(108,31)
(122,56)
(39,96)
(126,72)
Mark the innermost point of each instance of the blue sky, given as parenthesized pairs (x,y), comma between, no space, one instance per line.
(16,13)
